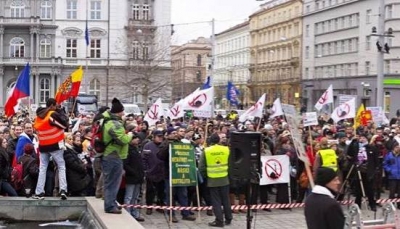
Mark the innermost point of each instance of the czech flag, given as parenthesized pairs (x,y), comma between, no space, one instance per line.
(20,90)
(70,87)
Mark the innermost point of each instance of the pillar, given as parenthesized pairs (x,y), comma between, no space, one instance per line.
(1,43)
(37,86)
(3,93)
(32,31)
(37,45)
(52,84)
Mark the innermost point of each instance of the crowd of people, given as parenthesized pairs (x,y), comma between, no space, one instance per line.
(58,159)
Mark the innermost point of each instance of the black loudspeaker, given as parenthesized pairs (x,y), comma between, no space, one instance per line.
(244,158)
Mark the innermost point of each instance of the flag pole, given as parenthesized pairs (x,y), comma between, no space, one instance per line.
(87,45)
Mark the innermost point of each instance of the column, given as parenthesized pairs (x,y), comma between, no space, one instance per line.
(37,86)
(1,43)
(37,45)
(52,84)
(31,86)
(31,31)
(3,93)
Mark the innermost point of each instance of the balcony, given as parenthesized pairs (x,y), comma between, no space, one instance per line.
(140,24)
(19,21)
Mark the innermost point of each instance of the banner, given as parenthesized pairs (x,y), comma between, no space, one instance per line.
(154,113)
(200,100)
(326,98)
(255,111)
(293,124)
(310,119)
(376,115)
(276,109)
(344,111)
(275,169)
(182,165)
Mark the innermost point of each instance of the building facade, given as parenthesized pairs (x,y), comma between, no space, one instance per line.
(232,62)
(339,48)
(189,66)
(276,40)
(50,35)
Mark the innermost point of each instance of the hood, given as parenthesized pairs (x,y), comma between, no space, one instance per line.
(42,111)
(318,189)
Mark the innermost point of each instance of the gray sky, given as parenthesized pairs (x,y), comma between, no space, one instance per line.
(227,13)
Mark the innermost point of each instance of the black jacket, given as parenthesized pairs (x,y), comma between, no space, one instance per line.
(372,158)
(323,212)
(133,166)
(5,167)
(76,172)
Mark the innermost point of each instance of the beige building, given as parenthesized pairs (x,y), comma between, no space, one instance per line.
(275,65)
(189,66)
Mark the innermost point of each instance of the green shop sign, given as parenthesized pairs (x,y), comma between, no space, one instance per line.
(182,165)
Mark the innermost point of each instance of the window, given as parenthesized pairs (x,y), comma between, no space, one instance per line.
(199,60)
(95,48)
(135,11)
(368,43)
(45,48)
(307,52)
(389,12)
(307,73)
(135,50)
(308,9)
(387,66)
(307,30)
(343,48)
(95,10)
(17,47)
(351,45)
(72,6)
(71,48)
(94,87)
(317,5)
(350,20)
(17,8)
(368,16)
(367,68)
(146,51)
(336,24)
(44,90)
(46,10)
(146,12)
(316,28)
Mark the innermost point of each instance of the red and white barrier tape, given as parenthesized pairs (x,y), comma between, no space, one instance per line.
(244,207)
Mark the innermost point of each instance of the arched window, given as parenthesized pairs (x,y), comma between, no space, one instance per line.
(17,47)
(17,8)
(199,60)
(94,87)
(44,89)
(46,11)
(45,48)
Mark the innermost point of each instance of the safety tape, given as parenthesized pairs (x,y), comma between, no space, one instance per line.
(244,207)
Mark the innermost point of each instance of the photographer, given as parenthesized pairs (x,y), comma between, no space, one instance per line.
(365,159)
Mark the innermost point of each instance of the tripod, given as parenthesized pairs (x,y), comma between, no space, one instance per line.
(364,197)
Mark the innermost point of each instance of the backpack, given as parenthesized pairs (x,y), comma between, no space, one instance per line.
(17,181)
(97,142)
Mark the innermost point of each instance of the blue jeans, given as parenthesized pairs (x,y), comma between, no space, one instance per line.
(58,157)
(6,188)
(181,196)
(112,174)
(132,192)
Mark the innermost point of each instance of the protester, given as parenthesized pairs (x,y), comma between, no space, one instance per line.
(31,169)
(50,124)
(5,171)
(321,209)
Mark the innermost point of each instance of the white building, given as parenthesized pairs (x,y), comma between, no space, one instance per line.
(232,61)
(338,49)
(124,39)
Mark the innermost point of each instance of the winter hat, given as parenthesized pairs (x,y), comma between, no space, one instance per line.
(324,176)
(170,130)
(158,133)
(29,149)
(340,135)
(116,106)
(268,127)
(214,139)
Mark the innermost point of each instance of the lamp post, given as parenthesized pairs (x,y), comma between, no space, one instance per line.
(382,49)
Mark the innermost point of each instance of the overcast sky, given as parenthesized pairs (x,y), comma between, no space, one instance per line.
(227,13)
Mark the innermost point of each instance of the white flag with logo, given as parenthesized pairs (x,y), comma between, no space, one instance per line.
(256,110)
(276,109)
(176,111)
(200,101)
(344,111)
(326,98)
(154,113)
(275,169)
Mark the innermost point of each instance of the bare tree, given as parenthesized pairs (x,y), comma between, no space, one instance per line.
(148,69)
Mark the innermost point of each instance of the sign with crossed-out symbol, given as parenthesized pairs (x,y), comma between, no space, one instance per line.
(153,112)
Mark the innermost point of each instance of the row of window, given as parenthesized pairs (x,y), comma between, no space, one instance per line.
(277,74)
(233,44)
(321,4)
(232,60)
(237,76)
(141,12)
(279,16)
(279,34)
(330,71)
(334,48)
(334,24)
(278,54)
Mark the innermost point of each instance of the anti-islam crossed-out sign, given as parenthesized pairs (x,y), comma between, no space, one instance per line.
(275,169)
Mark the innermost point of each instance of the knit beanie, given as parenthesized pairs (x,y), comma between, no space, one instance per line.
(324,176)
(116,106)
(214,139)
